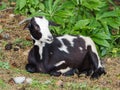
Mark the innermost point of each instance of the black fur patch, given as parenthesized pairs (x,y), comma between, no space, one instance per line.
(34,29)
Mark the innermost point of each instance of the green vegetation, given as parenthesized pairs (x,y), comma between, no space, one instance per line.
(4,65)
(22,42)
(99,19)
(3,5)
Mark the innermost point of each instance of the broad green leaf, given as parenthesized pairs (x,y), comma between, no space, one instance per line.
(81,24)
(22,3)
(68,5)
(108,14)
(32,10)
(93,4)
(50,3)
(101,42)
(36,2)
(3,6)
(101,35)
(105,26)
(41,6)
(114,22)
(56,4)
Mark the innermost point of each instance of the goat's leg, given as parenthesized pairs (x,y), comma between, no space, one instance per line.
(97,71)
(58,73)
(31,68)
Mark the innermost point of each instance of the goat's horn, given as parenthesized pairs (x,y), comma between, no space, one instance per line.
(25,20)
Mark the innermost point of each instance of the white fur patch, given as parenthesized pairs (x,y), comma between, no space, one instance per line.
(80,48)
(59,63)
(90,42)
(64,70)
(40,45)
(44,29)
(68,38)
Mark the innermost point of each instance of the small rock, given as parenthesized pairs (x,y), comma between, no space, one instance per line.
(28,80)
(28,38)
(8,46)
(11,15)
(6,36)
(19,80)
(59,83)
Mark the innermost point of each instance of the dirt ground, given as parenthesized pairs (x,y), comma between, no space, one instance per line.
(16,56)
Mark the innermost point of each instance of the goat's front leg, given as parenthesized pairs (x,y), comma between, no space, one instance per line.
(98,70)
(31,68)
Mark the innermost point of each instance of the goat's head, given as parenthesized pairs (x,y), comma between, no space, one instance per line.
(39,29)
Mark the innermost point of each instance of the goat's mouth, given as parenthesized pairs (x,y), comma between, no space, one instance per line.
(49,41)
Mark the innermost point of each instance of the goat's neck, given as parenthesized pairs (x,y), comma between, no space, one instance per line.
(41,46)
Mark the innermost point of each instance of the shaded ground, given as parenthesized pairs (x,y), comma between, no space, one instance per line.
(11,33)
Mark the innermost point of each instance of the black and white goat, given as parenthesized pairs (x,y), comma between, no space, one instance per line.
(63,54)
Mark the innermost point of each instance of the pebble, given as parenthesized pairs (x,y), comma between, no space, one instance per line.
(28,38)
(6,36)
(19,80)
(22,79)
(28,80)
(11,15)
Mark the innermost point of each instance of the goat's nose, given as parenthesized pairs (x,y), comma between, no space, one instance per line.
(50,38)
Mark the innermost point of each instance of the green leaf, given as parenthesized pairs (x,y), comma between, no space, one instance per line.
(114,22)
(3,6)
(101,42)
(81,24)
(32,10)
(101,35)
(93,4)
(41,6)
(114,13)
(22,3)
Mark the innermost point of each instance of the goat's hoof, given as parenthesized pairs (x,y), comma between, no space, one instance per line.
(69,73)
(30,68)
(98,73)
(55,73)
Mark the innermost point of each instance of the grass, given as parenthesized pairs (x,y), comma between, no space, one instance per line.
(22,42)
(4,65)
(2,84)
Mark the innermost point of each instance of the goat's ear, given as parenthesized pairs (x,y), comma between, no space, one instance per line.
(27,21)
(51,23)
(26,26)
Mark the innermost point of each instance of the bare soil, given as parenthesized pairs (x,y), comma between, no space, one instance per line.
(17,59)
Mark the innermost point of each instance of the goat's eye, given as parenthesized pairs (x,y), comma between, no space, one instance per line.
(36,27)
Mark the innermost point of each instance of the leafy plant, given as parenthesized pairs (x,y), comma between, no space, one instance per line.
(22,42)
(4,65)
(28,6)
(92,18)
(2,84)
(3,5)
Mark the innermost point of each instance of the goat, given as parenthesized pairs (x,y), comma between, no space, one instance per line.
(58,55)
